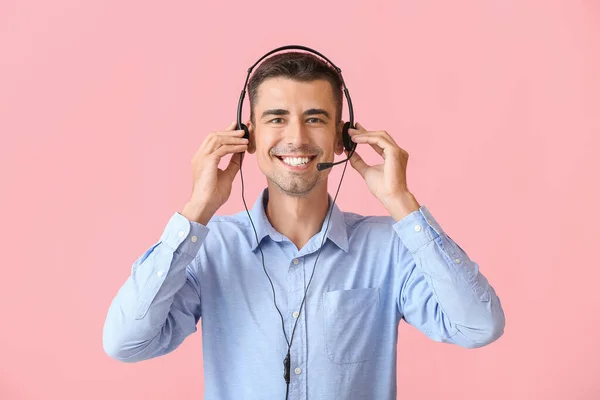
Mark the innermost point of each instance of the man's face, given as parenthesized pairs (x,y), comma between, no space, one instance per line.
(294,130)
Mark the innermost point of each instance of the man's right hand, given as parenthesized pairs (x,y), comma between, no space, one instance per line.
(212,185)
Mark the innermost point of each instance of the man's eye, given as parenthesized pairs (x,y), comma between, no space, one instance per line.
(276,120)
(315,120)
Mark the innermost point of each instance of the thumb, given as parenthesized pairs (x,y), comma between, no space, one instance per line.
(234,165)
(358,163)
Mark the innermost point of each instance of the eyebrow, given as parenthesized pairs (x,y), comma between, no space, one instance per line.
(281,111)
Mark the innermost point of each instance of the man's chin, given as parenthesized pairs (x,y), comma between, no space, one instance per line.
(294,190)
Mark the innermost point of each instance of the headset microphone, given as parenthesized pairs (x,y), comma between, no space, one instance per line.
(349,145)
(325,165)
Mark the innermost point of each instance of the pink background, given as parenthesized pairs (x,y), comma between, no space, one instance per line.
(103,104)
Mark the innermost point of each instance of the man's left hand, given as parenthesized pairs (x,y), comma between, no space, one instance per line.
(387,181)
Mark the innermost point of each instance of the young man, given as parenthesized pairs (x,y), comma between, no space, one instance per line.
(372,271)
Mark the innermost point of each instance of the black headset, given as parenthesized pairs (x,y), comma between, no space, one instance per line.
(349,145)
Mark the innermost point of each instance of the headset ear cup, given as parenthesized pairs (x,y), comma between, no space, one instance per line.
(346,138)
(246,132)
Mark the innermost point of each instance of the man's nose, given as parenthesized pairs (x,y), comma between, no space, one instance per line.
(297,134)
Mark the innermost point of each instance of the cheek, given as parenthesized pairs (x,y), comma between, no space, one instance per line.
(266,141)
(263,151)
(331,146)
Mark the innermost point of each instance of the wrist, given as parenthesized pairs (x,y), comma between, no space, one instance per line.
(401,205)
(196,212)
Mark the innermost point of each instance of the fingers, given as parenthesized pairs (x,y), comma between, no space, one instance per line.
(386,135)
(380,141)
(229,148)
(229,131)
(219,143)
(378,149)
(358,163)
(235,132)
(361,131)
(374,140)
(234,165)
(214,142)
(232,126)
(220,140)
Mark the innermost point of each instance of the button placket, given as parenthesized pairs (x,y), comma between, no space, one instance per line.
(298,350)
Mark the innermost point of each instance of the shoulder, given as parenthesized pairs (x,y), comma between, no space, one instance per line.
(371,230)
(374,236)
(230,224)
(362,223)
(219,221)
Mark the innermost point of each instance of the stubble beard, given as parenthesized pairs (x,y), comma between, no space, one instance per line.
(295,185)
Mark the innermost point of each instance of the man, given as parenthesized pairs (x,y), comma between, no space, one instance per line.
(372,271)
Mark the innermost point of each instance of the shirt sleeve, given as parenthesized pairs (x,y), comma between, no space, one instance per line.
(159,303)
(443,293)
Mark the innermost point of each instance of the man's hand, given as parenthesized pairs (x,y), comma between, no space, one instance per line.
(212,185)
(387,181)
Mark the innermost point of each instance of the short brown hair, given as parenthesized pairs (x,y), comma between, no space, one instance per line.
(299,66)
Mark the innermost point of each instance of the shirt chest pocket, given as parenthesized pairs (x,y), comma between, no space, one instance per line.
(350,318)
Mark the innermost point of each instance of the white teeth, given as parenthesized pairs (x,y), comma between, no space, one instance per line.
(295,161)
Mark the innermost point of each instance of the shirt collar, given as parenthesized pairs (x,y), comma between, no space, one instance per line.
(336,233)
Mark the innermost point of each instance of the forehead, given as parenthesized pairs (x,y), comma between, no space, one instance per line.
(286,93)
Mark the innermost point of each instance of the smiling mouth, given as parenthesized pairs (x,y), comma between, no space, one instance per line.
(297,161)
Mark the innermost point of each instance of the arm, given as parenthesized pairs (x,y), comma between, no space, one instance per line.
(159,304)
(443,293)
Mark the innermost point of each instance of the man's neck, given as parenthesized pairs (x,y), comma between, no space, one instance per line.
(298,218)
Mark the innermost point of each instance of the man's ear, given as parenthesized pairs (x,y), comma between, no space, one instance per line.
(251,141)
(339,144)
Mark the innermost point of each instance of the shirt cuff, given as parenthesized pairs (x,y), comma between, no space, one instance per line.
(417,229)
(183,235)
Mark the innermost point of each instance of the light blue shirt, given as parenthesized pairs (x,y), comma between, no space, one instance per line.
(372,273)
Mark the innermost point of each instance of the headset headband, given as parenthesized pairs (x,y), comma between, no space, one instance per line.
(298,47)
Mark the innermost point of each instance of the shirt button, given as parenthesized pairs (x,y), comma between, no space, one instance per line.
(296,261)
(194,238)
(417,228)
(159,273)
(429,221)
(457,260)
(295,314)
(181,233)
(298,371)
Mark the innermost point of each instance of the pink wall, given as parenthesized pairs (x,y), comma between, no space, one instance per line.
(102,105)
